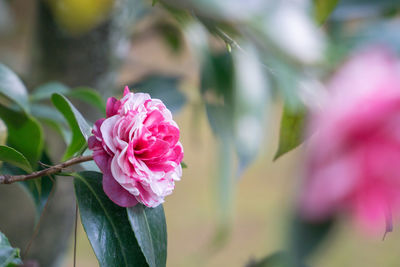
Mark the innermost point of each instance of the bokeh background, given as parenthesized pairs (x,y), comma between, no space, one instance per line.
(98,44)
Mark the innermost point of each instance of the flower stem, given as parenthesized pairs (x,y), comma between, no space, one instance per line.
(9,179)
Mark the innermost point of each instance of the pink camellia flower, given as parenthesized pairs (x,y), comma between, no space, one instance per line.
(354,153)
(138,150)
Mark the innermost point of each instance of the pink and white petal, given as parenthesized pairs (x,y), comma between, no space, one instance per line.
(148,198)
(107,129)
(116,192)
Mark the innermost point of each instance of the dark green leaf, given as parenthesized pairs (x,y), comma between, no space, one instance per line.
(79,127)
(150,230)
(305,237)
(291,131)
(46,90)
(164,88)
(184,165)
(13,88)
(40,189)
(217,75)
(89,96)
(12,156)
(9,256)
(323,8)
(217,81)
(106,224)
(25,134)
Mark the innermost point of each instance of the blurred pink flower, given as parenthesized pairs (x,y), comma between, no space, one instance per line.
(354,154)
(138,150)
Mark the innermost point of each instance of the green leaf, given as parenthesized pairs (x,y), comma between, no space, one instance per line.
(25,134)
(323,8)
(45,91)
(12,156)
(79,127)
(291,131)
(184,165)
(89,96)
(9,256)
(305,237)
(164,88)
(13,88)
(150,230)
(40,189)
(106,224)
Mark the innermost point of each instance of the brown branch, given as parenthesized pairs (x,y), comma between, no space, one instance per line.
(9,179)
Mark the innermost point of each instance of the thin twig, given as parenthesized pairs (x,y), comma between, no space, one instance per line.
(9,179)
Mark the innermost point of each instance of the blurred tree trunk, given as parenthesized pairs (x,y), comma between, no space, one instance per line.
(90,58)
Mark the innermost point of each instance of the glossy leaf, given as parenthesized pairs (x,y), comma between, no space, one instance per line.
(164,88)
(89,96)
(25,134)
(12,156)
(9,256)
(79,127)
(106,224)
(150,230)
(323,8)
(40,189)
(217,83)
(13,88)
(291,131)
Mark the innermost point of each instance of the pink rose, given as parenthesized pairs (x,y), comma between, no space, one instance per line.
(354,154)
(138,150)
